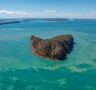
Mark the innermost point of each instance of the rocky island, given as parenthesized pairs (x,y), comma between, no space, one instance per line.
(55,48)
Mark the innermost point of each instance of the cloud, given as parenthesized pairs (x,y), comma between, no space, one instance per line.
(91,15)
(46,13)
(49,11)
(6,12)
(12,12)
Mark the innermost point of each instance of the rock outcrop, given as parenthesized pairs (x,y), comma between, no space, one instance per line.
(55,48)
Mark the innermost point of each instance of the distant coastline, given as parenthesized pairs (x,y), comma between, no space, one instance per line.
(20,20)
(10,22)
(13,21)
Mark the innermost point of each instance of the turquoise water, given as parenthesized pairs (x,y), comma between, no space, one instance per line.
(20,70)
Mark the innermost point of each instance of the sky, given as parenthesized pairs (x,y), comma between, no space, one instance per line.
(48,9)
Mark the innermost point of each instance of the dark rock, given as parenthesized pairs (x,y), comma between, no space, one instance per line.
(55,48)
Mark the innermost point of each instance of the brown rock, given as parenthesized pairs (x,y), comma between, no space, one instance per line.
(55,48)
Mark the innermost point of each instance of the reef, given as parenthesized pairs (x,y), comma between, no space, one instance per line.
(54,49)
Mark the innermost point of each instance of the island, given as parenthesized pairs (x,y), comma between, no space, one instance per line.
(54,49)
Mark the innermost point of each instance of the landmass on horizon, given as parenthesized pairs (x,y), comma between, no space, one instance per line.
(19,20)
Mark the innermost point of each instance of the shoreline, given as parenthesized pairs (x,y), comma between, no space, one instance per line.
(44,57)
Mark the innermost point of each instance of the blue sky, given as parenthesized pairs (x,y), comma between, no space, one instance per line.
(48,8)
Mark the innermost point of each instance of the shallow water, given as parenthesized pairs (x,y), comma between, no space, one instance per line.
(20,70)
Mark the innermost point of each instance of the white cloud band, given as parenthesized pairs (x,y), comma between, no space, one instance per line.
(46,13)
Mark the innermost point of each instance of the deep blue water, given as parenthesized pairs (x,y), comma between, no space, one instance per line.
(20,70)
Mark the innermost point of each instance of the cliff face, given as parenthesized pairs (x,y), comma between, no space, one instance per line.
(55,48)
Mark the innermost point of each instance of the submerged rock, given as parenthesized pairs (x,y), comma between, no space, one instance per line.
(55,48)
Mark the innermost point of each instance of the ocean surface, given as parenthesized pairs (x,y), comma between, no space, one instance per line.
(21,70)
